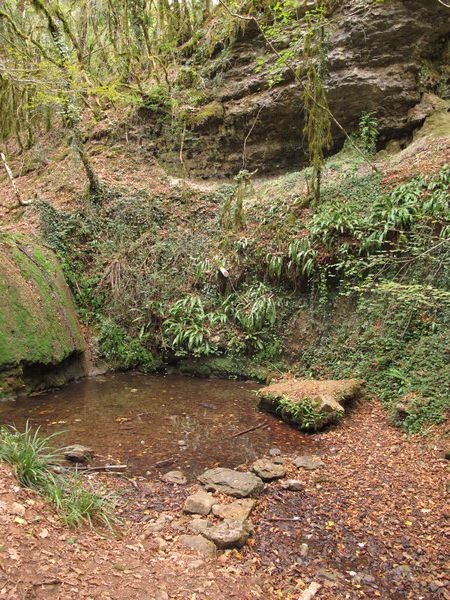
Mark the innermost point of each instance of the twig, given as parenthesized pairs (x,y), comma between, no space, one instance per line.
(248,430)
(300,83)
(283,519)
(101,468)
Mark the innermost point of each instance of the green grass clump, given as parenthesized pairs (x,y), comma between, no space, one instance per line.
(33,457)
(78,505)
(30,454)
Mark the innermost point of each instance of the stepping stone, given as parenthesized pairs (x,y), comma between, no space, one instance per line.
(237,484)
(229,533)
(308,462)
(199,503)
(239,510)
(268,470)
(177,477)
(77,453)
(199,525)
(200,544)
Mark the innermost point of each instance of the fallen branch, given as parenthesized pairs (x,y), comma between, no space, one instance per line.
(248,430)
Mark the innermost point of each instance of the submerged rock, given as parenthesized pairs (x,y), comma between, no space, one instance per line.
(239,510)
(199,503)
(78,453)
(310,404)
(232,483)
(177,477)
(228,534)
(199,543)
(268,470)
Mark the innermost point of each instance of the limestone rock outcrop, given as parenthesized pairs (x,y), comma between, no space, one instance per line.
(377,53)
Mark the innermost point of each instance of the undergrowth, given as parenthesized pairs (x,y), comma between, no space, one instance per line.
(163,278)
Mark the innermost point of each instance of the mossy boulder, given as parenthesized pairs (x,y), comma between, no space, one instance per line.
(310,404)
(39,330)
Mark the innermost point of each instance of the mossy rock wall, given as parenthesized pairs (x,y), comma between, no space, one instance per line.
(39,330)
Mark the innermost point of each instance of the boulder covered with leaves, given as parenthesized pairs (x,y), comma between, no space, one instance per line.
(310,404)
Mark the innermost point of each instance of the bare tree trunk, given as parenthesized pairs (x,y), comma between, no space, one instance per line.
(11,179)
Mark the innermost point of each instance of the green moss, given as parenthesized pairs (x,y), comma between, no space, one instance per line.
(213,111)
(227,367)
(37,318)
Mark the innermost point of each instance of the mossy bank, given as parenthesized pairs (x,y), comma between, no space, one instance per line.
(41,343)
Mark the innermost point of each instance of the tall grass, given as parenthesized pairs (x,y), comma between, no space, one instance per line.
(33,458)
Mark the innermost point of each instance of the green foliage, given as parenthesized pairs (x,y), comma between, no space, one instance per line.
(305,413)
(157,100)
(123,351)
(187,329)
(368,132)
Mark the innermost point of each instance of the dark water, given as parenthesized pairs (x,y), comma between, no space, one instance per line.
(139,420)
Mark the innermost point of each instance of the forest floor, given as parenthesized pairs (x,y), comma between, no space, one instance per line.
(372,517)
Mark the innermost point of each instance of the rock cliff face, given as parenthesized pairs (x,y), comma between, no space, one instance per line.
(41,344)
(376,63)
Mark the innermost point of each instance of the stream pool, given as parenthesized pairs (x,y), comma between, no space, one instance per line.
(141,420)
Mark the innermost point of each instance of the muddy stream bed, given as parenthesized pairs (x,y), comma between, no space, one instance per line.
(140,420)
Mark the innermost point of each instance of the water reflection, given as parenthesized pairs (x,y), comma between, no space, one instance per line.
(144,419)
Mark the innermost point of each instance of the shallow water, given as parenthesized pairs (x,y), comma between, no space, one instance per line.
(139,419)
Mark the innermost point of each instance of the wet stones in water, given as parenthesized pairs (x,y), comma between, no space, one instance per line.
(229,533)
(308,462)
(176,477)
(77,453)
(293,485)
(199,503)
(237,484)
(268,470)
(199,544)
(239,510)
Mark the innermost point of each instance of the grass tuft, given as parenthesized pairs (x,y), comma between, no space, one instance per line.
(33,458)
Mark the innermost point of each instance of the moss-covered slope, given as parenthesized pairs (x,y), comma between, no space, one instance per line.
(38,323)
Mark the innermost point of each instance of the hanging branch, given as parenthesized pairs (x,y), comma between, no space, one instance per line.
(300,83)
